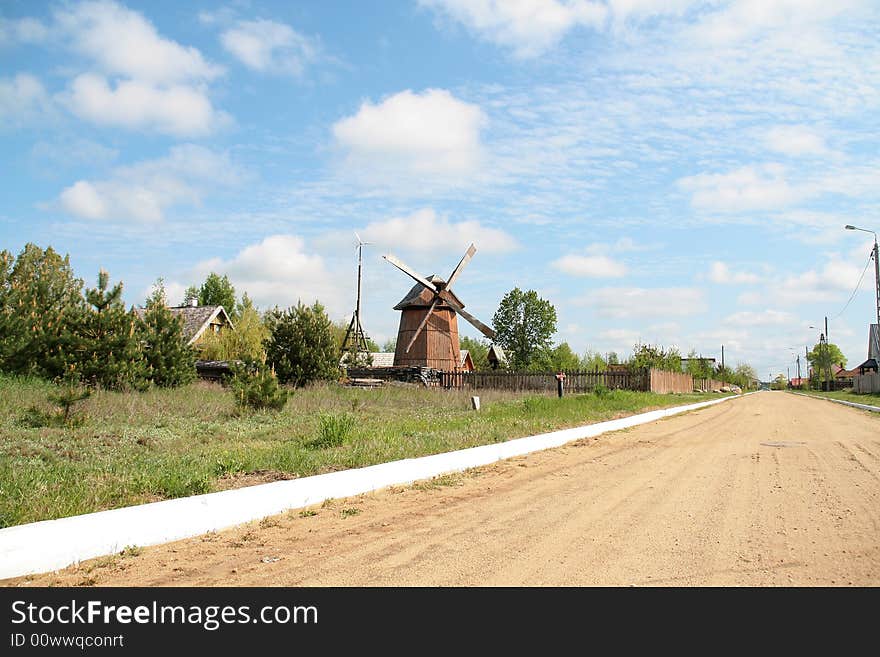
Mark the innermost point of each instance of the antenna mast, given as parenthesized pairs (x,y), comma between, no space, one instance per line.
(355,340)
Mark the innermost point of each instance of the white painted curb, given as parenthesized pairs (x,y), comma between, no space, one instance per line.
(53,544)
(864,407)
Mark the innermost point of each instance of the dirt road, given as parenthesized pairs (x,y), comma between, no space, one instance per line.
(771,489)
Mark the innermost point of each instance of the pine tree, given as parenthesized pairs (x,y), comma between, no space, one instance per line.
(169,360)
(301,347)
(109,354)
(40,305)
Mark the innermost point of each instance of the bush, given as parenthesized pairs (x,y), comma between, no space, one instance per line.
(334,430)
(256,388)
(601,390)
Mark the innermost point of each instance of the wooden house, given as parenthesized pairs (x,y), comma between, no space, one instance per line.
(199,322)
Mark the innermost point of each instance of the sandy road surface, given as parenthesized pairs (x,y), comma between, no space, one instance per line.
(771,489)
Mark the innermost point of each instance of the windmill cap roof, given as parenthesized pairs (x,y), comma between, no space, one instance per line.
(421,297)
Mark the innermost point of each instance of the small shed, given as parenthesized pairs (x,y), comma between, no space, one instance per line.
(496,357)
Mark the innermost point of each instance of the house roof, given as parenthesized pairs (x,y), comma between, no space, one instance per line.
(421,297)
(846,374)
(195,318)
(496,353)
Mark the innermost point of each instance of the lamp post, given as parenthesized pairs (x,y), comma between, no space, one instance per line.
(876,265)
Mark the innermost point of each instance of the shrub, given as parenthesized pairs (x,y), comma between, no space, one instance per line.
(256,387)
(334,429)
(601,390)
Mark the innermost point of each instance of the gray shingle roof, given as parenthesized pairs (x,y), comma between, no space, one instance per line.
(194,318)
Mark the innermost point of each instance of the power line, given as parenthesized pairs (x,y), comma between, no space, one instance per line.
(858,285)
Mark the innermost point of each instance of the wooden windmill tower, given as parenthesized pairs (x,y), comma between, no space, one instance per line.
(428,332)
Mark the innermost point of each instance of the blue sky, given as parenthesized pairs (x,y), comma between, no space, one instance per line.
(674,172)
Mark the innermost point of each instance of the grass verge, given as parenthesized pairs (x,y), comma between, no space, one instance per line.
(133,448)
(871,398)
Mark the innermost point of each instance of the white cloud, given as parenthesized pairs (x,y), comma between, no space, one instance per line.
(269,47)
(637,302)
(767,318)
(22,98)
(747,188)
(430,133)
(123,42)
(279,271)
(795,140)
(743,19)
(179,110)
(528,27)
(424,231)
(144,191)
(832,284)
(719,272)
(595,266)
(22,30)
(136,77)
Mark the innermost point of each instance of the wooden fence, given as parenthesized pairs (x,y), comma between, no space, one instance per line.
(544,381)
(865,383)
(575,382)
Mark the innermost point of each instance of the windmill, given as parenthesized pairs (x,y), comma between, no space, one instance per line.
(428,332)
(355,341)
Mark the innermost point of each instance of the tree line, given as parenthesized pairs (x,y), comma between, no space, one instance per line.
(52,325)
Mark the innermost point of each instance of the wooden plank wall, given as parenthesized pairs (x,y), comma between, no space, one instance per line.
(575,382)
(865,383)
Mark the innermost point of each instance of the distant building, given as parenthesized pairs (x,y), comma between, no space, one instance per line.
(871,364)
(198,321)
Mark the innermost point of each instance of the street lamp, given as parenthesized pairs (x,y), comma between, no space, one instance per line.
(876,264)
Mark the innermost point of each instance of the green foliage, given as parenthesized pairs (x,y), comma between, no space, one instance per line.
(479,351)
(698,367)
(656,356)
(40,302)
(255,387)
(70,392)
(168,359)
(744,375)
(524,325)
(217,291)
(821,358)
(601,390)
(301,346)
(390,345)
(191,294)
(245,342)
(108,353)
(63,399)
(559,359)
(334,429)
(779,383)
(593,361)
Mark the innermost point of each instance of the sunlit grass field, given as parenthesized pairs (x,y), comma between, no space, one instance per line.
(137,447)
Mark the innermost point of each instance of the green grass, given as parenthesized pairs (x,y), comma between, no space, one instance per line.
(142,447)
(871,399)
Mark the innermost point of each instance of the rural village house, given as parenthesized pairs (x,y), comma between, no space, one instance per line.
(198,321)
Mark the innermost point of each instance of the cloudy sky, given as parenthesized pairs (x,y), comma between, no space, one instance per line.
(666,171)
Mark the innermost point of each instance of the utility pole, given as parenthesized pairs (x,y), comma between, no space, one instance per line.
(799,368)
(876,256)
(826,328)
(722,358)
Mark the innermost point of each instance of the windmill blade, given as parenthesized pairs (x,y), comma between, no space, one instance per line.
(485,330)
(422,325)
(461,265)
(406,270)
